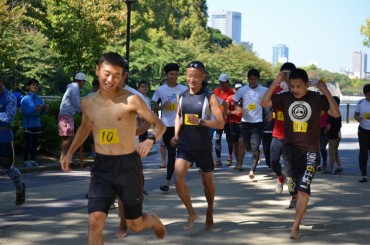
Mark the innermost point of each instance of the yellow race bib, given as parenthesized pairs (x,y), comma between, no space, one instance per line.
(280,116)
(251,107)
(108,136)
(187,119)
(300,127)
(172,107)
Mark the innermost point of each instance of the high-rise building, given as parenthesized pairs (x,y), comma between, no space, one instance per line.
(359,64)
(228,22)
(280,53)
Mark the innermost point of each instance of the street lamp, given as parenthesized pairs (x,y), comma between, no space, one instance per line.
(128,3)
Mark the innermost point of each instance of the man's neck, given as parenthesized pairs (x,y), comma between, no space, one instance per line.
(172,84)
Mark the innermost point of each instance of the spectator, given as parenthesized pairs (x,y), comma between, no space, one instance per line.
(69,106)
(33,108)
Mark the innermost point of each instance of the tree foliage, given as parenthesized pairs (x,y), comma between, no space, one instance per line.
(365,31)
(52,39)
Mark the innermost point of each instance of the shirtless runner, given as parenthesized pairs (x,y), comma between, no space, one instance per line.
(111,114)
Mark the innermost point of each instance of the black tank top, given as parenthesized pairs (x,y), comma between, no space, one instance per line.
(195,137)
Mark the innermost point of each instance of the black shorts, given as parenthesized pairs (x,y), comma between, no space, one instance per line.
(234,132)
(113,176)
(202,159)
(6,155)
(300,167)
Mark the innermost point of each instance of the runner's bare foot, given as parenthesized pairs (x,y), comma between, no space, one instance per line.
(120,234)
(294,234)
(122,230)
(191,221)
(158,227)
(251,175)
(209,219)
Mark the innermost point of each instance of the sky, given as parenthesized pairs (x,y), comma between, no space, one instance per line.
(320,32)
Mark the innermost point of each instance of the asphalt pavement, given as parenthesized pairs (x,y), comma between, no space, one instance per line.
(246,211)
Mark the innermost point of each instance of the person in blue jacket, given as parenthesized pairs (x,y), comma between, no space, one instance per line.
(8,110)
(33,108)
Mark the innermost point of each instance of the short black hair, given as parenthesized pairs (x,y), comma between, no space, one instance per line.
(113,58)
(299,74)
(171,67)
(336,98)
(143,82)
(287,66)
(366,88)
(253,72)
(32,81)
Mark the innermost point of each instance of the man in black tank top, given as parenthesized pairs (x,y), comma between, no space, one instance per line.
(194,145)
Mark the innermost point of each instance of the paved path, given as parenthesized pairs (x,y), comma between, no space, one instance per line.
(246,211)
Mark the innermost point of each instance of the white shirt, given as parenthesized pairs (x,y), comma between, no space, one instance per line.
(134,91)
(251,102)
(166,93)
(363,107)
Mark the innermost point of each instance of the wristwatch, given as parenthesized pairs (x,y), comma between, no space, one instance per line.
(201,122)
(151,137)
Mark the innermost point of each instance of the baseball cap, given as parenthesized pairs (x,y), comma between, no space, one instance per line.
(223,77)
(238,85)
(80,76)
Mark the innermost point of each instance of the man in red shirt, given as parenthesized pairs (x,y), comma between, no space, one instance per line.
(223,92)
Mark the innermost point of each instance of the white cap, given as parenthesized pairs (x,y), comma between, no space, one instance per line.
(80,76)
(223,77)
(238,85)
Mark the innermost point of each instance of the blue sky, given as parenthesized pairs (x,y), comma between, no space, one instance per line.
(324,32)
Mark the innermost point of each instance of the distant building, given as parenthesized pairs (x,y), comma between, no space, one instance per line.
(359,64)
(228,22)
(280,53)
(248,45)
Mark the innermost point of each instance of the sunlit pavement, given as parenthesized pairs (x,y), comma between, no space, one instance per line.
(246,211)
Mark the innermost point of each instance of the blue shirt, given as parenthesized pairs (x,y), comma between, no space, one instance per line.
(8,110)
(31,116)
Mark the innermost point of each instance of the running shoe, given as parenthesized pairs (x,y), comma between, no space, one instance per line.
(338,170)
(293,202)
(28,164)
(34,163)
(363,180)
(164,188)
(229,163)
(218,163)
(327,171)
(280,185)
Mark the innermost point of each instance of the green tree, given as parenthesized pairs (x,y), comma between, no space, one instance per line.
(365,31)
(81,30)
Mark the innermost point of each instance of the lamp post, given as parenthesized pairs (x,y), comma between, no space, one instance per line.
(128,3)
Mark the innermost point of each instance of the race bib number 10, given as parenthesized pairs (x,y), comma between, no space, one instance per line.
(108,136)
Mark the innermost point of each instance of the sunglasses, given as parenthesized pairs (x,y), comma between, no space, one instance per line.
(196,64)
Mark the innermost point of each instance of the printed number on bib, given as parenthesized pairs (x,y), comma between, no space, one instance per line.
(108,136)
(172,107)
(280,116)
(251,107)
(300,127)
(187,119)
